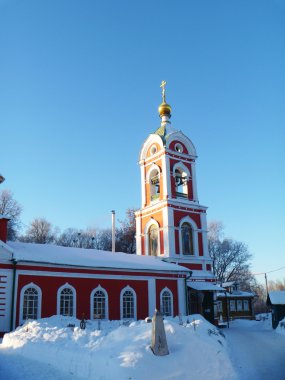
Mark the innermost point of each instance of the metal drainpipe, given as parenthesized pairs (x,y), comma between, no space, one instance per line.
(13,293)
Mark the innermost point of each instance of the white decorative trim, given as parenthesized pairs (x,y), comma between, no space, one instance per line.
(150,170)
(171,296)
(146,240)
(24,288)
(180,137)
(143,184)
(66,285)
(181,297)
(151,296)
(128,288)
(153,138)
(187,219)
(194,182)
(99,288)
(180,165)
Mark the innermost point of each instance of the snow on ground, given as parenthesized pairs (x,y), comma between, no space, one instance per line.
(256,350)
(281,327)
(115,352)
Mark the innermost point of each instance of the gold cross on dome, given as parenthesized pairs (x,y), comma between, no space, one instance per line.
(163,83)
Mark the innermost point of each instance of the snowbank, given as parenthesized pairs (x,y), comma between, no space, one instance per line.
(119,351)
(281,327)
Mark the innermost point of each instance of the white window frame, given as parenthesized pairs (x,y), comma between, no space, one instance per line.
(99,288)
(239,305)
(187,219)
(146,240)
(66,285)
(219,306)
(245,305)
(166,289)
(128,288)
(233,305)
(24,288)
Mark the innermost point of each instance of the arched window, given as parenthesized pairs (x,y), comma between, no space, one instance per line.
(153,234)
(154,183)
(181,187)
(187,239)
(166,303)
(30,301)
(128,304)
(99,302)
(66,302)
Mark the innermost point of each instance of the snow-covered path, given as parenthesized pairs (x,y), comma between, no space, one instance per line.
(15,367)
(257,352)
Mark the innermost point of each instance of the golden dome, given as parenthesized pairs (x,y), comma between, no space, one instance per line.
(164,109)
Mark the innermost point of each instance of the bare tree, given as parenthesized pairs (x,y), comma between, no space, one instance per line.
(12,209)
(126,235)
(276,285)
(39,231)
(231,259)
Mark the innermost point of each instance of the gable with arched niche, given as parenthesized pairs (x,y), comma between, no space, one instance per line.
(147,150)
(180,144)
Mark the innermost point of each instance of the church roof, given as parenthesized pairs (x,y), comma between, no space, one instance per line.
(53,254)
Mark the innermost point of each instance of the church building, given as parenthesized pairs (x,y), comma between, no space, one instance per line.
(171,271)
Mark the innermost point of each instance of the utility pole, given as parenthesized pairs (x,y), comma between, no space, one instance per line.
(266,284)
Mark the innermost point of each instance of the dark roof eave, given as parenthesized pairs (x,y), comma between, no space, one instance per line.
(102,268)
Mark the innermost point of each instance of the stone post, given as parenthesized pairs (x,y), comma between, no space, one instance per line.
(158,339)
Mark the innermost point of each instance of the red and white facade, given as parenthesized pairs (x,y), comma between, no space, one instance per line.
(38,281)
(42,280)
(170,203)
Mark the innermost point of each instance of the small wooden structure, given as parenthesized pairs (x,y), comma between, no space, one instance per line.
(276,302)
(234,303)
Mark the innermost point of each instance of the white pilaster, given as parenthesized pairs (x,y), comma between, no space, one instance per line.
(138,235)
(204,234)
(194,182)
(181,296)
(6,276)
(143,184)
(151,296)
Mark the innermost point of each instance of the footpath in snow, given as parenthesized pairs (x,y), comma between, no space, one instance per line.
(48,349)
(256,350)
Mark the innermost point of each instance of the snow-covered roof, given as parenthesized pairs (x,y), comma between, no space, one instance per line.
(236,294)
(277,297)
(4,216)
(53,254)
(229,283)
(204,285)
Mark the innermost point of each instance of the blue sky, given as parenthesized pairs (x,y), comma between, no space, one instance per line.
(79,90)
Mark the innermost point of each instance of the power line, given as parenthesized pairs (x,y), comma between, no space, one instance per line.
(271,271)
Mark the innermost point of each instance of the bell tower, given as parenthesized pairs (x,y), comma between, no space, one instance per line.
(171,223)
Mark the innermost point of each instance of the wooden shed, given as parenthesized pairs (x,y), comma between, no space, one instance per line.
(276,302)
